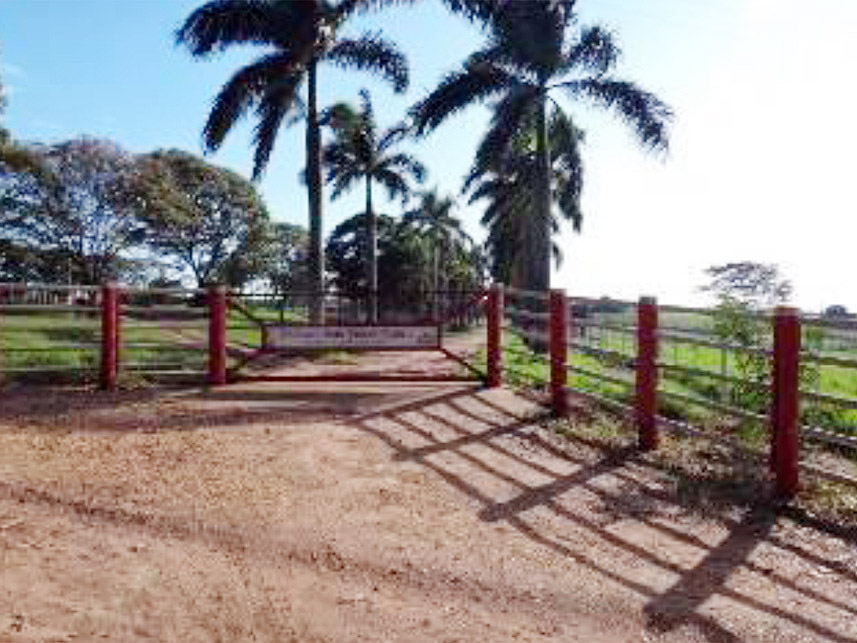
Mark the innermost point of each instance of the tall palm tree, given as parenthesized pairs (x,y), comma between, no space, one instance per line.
(359,152)
(434,218)
(298,35)
(509,183)
(537,49)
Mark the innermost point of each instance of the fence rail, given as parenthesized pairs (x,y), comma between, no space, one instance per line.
(714,384)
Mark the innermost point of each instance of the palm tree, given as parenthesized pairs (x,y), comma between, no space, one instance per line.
(535,50)
(360,153)
(299,35)
(434,219)
(508,184)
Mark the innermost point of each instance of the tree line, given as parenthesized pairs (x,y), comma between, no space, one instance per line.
(527,171)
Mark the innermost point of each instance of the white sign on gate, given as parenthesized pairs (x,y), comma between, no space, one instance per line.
(359,337)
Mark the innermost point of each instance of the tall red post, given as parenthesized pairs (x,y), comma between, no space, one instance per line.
(109,336)
(216,335)
(785,401)
(494,317)
(646,401)
(1,335)
(558,352)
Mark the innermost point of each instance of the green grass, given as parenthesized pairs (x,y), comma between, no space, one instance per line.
(524,367)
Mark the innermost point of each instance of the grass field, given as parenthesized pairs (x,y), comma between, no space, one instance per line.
(610,352)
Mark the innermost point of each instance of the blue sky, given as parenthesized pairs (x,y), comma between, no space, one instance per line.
(759,166)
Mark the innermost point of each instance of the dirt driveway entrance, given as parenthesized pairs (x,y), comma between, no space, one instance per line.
(376,512)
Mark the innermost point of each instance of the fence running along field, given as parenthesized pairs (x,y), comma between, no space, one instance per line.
(669,366)
(103,334)
(61,334)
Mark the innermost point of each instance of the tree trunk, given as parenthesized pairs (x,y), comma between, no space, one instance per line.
(435,300)
(372,222)
(538,272)
(316,240)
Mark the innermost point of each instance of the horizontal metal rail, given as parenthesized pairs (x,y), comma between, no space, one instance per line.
(145,366)
(49,369)
(531,294)
(51,349)
(526,314)
(160,347)
(165,324)
(49,308)
(582,322)
(10,286)
(836,400)
(163,291)
(842,324)
(599,376)
(601,301)
(719,345)
(162,308)
(830,437)
(828,360)
(535,335)
(8,329)
(526,353)
(603,352)
(702,372)
(715,406)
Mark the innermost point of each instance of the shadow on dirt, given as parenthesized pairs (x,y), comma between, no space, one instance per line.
(455,436)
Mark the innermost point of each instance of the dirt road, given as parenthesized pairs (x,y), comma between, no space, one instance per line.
(376,512)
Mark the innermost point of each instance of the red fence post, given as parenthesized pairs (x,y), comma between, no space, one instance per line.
(216,335)
(558,351)
(646,402)
(1,334)
(494,317)
(785,401)
(109,336)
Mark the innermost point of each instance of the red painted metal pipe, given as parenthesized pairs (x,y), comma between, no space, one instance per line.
(217,335)
(558,351)
(494,317)
(109,336)
(785,401)
(646,402)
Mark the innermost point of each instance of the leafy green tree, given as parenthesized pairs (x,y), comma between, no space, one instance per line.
(360,153)
(207,219)
(300,35)
(71,200)
(537,49)
(284,265)
(447,240)
(745,293)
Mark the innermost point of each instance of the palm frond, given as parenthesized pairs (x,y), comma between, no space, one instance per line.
(474,9)
(458,90)
(244,89)
(372,53)
(221,23)
(644,112)
(595,51)
(276,102)
(511,115)
(403,163)
(393,136)
(532,34)
(394,183)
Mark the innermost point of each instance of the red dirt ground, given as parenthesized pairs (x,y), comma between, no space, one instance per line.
(377,512)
